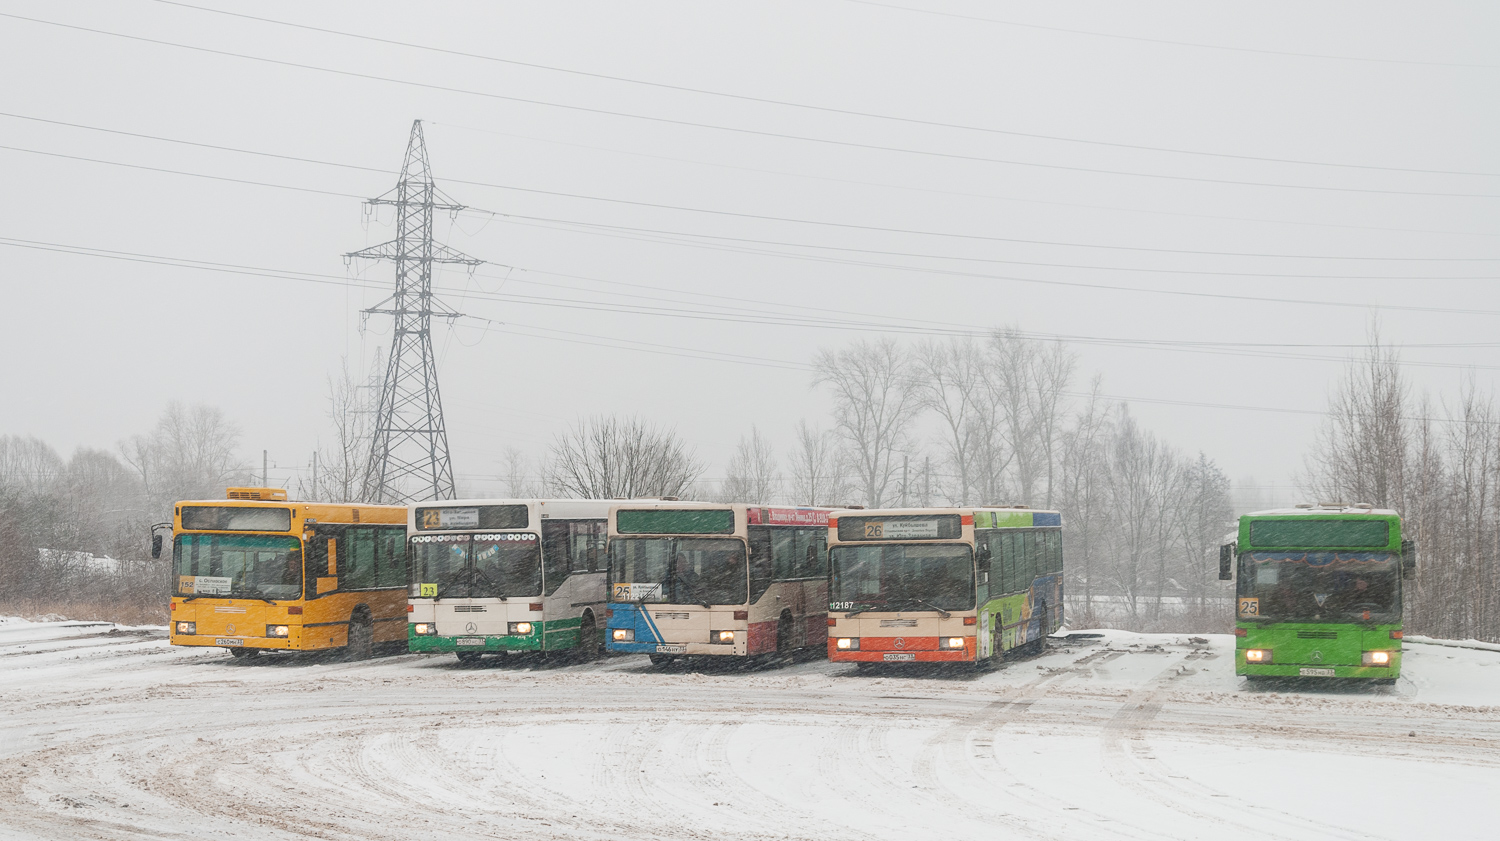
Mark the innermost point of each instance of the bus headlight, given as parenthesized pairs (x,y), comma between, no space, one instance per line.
(1257,655)
(721,637)
(187,627)
(424,629)
(951,642)
(1375,658)
(846,643)
(622,635)
(278,631)
(520,629)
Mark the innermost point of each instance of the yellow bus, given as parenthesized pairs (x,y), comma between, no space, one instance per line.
(255,572)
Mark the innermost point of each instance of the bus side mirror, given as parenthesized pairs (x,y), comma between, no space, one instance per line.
(1408,559)
(156,546)
(1226,562)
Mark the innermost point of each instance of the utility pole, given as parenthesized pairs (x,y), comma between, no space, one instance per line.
(926,481)
(409,453)
(315,475)
(265,463)
(905,460)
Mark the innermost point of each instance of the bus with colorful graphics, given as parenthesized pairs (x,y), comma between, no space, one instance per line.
(1318,592)
(255,572)
(704,579)
(506,575)
(942,585)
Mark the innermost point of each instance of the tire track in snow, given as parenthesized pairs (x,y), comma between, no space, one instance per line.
(1124,749)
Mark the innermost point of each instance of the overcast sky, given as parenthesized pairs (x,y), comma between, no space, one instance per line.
(1339,153)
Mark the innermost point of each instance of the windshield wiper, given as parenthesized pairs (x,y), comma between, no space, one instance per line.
(693,591)
(945,614)
(857,611)
(501,596)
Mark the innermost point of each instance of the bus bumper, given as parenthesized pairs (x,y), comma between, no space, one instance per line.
(431,643)
(1243,669)
(901,650)
(643,636)
(293,642)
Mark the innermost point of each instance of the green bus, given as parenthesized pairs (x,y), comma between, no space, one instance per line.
(1318,592)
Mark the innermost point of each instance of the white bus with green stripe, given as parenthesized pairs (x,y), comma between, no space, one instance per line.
(506,575)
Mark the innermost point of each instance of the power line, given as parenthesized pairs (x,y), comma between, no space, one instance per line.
(803,105)
(737,129)
(793,220)
(1215,348)
(960,193)
(383,171)
(1168,42)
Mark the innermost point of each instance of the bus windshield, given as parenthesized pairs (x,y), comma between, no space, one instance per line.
(908,576)
(1325,586)
(481,566)
(238,566)
(681,570)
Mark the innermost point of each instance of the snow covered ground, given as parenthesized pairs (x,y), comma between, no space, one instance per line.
(110,733)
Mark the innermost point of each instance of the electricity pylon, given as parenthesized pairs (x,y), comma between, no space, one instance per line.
(409,453)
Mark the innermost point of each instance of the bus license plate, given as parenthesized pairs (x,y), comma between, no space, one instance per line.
(1315,672)
(899,656)
(671,649)
(471,640)
(223,641)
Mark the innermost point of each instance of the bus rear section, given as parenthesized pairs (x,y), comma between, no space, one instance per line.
(256,572)
(498,576)
(1318,592)
(698,579)
(927,586)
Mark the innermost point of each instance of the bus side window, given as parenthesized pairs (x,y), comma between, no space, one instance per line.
(592,536)
(760,561)
(556,554)
(812,547)
(357,565)
(1009,558)
(583,539)
(1029,560)
(1051,552)
(783,554)
(390,557)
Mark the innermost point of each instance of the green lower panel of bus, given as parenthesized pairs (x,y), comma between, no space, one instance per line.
(1306,649)
(552,636)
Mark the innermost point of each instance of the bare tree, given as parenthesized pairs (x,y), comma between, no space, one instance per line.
(752,475)
(874,406)
(950,382)
(1083,496)
(188,455)
(28,465)
(1362,450)
(817,468)
(620,458)
(343,464)
(1030,379)
(518,478)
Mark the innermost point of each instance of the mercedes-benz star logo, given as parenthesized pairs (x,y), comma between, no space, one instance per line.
(1316,656)
(899,643)
(229,629)
(471,628)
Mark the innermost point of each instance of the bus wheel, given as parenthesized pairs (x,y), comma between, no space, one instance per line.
(468,657)
(784,634)
(244,653)
(361,637)
(589,641)
(661,659)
